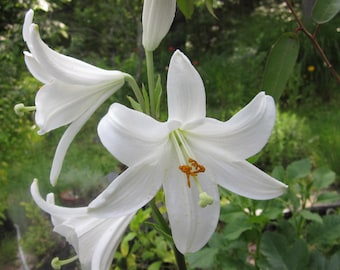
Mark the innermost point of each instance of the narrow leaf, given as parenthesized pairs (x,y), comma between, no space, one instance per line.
(325,10)
(280,64)
(134,104)
(187,7)
(209,4)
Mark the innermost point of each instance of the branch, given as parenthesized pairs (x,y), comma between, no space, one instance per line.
(312,38)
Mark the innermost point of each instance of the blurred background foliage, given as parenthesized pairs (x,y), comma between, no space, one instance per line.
(228,50)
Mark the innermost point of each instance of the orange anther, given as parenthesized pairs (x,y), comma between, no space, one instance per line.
(191,170)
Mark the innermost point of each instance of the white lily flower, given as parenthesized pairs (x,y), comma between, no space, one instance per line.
(189,156)
(95,240)
(157,18)
(72,89)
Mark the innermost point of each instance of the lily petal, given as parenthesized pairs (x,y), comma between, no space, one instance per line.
(51,208)
(130,135)
(59,104)
(65,68)
(129,191)
(243,178)
(242,136)
(185,90)
(94,239)
(36,69)
(191,225)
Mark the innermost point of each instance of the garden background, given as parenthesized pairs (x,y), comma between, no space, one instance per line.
(300,230)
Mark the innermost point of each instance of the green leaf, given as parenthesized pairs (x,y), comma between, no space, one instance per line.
(323,177)
(235,228)
(311,216)
(124,245)
(204,258)
(158,95)
(325,10)
(298,169)
(328,197)
(325,234)
(210,6)
(134,104)
(187,7)
(280,64)
(155,266)
(279,254)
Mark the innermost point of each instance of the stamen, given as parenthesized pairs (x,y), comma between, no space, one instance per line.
(20,109)
(191,170)
(56,263)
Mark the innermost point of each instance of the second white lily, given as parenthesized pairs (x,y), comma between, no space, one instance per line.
(189,155)
(72,89)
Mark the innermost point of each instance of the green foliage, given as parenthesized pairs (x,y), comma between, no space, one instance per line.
(283,233)
(39,239)
(143,247)
(290,140)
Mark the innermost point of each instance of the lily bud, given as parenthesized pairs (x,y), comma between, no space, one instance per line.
(157,18)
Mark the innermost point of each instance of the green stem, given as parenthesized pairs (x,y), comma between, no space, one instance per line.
(136,90)
(180,260)
(151,80)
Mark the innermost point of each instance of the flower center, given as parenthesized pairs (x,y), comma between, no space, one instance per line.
(189,166)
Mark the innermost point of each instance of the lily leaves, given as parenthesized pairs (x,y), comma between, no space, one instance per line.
(325,10)
(280,64)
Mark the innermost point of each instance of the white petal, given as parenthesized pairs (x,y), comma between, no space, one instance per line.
(242,136)
(36,70)
(156,19)
(94,239)
(53,209)
(65,68)
(191,225)
(68,137)
(59,104)
(185,90)
(27,24)
(130,135)
(242,177)
(129,191)
(105,249)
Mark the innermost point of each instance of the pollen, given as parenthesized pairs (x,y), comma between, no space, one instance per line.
(191,169)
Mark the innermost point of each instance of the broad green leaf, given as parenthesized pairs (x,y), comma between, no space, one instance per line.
(235,228)
(187,7)
(325,10)
(323,177)
(298,169)
(311,216)
(202,259)
(273,247)
(328,197)
(279,254)
(280,64)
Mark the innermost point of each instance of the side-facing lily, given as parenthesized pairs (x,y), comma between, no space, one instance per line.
(72,89)
(157,18)
(95,240)
(189,156)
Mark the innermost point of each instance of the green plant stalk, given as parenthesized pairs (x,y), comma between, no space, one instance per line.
(151,81)
(180,260)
